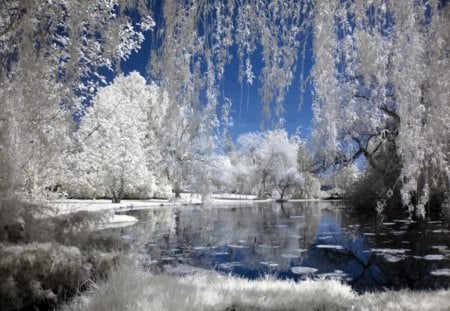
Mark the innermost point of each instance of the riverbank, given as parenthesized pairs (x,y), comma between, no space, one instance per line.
(70,206)
(65,206)
(129,289)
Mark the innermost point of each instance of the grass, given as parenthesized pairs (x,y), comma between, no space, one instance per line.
(46,260)
(128,289)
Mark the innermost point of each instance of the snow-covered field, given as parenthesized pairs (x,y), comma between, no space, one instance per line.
(133,290)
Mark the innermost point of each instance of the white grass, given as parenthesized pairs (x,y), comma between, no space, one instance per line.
(132,290)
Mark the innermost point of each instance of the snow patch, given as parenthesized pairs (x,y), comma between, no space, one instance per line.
(441,272)
(392,251)
(200,248)
(221,253)
(269,264)
(434,257)
(235,246)
(330,246)
(392,258)
(290,255)
(229,265)
(303,270)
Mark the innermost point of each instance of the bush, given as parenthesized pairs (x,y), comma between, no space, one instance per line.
(52,257)
(379,187)
(310,188)
(39,275)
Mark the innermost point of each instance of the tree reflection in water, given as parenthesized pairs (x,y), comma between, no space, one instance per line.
(259,239)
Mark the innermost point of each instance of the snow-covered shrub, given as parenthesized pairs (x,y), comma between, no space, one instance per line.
(39,275)
(36,273)
(310,189)
(17,220)
(221,173)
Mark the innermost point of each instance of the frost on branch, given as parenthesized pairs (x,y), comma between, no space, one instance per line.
(50,53)
(382,77)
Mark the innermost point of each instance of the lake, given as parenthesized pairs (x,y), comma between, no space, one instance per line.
(296,240)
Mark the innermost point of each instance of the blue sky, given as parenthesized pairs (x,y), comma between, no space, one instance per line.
(246,103)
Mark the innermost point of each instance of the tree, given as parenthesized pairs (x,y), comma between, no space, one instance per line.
(381,76)
(262,157)
(286,181)
(49,55)
(115,140)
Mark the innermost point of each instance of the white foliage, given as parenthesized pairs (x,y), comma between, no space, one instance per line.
(118,150)
(265,161)
(50,52)
(382,70)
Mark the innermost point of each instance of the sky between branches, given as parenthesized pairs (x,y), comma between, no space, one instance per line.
(246,111)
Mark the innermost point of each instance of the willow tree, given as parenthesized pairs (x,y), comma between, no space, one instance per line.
(381,74)
(382,77)
(50,53)
(381,68)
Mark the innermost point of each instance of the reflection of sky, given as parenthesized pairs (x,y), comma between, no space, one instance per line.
(352,253)
(254,237)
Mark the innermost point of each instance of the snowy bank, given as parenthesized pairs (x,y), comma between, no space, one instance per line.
(67,206)
(133,290)
(220,200)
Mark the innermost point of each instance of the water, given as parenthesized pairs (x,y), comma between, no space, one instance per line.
(296,241)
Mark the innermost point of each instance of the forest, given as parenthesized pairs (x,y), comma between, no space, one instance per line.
(77,126)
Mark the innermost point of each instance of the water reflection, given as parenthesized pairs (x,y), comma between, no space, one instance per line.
(295,241)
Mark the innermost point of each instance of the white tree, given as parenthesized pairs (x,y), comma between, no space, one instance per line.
(187,143)
(382,77)
(262,159)
(49,55)
(286,182)
(114,138)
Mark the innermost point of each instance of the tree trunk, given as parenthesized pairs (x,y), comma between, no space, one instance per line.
(117,194)
(116,198)
(177,190)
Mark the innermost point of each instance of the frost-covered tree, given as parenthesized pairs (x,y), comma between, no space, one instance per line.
(117,148)
(380,68)
(186,144)
(382,77)
(286,181)
(49,55)
(262,159)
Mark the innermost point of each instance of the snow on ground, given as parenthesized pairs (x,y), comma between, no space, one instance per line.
(75,205)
